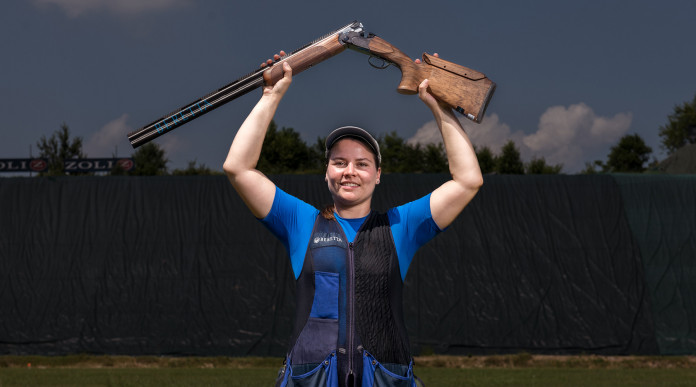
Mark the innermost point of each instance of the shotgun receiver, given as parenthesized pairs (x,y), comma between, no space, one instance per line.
(465,90)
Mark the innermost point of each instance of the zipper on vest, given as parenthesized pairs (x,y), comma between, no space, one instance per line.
(351,307)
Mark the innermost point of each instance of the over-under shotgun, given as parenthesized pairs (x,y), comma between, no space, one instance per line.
(466,90)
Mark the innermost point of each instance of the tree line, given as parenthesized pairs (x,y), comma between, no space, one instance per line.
(284,152)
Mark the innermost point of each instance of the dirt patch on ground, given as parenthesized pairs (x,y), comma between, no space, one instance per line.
(109,361)
(556,361)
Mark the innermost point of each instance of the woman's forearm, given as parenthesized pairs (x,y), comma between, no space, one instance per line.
(246,147)
(245,150)
(461,156)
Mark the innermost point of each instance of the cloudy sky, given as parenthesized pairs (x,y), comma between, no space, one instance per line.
(573,77)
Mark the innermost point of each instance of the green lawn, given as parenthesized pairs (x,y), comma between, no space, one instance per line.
(557,377)
(137,377)
(441,371)
(265,377)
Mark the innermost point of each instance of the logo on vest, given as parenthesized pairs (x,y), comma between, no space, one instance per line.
(327,239)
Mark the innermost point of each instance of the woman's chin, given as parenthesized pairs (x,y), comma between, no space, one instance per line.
(347,198)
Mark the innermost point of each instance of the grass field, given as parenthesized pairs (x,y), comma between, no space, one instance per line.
(511,370)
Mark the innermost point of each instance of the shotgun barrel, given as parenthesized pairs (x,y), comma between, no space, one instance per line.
(301,59)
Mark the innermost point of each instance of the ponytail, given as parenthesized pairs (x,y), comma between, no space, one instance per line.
(328,212)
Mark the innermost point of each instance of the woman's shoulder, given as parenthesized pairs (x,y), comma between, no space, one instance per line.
(419,207)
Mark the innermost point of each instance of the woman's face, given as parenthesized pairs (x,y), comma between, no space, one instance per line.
(352,173)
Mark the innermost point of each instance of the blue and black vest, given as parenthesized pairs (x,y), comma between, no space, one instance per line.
(349,315)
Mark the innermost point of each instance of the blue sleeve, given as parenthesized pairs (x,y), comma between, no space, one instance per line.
(412,226)
(291,220)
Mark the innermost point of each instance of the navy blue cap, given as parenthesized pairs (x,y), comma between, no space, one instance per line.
(356,133)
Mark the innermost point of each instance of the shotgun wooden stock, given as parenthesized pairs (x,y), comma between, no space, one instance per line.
(466,90)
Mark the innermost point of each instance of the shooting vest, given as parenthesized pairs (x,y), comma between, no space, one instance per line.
(349,325)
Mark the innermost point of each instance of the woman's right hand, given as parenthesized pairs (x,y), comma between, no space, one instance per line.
(283,84)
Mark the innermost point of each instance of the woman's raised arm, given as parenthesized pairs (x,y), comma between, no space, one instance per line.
(448,200)
(254,187)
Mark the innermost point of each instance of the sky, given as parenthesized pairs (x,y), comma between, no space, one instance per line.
(572,77)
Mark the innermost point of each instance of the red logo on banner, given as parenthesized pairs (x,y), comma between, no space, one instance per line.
(126,164)
(38,165)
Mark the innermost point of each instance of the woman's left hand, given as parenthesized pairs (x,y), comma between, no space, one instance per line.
(424,94)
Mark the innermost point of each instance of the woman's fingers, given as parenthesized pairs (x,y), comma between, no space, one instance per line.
(276,58)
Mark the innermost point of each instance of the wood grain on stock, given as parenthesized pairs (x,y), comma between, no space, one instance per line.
(459,86)
(456,85)
(304,59)
(453,67)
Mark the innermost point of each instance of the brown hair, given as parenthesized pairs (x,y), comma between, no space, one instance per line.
(328,212)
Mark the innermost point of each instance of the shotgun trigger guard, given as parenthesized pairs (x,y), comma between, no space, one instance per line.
(382,64)
(360,41)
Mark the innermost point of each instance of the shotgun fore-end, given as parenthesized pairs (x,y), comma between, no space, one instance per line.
(304,59)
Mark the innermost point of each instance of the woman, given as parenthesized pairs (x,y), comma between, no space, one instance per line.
(350,262)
